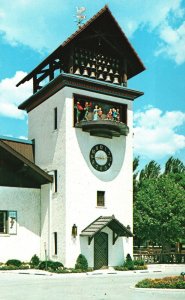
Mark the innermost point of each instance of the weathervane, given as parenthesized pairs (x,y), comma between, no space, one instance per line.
(79,15)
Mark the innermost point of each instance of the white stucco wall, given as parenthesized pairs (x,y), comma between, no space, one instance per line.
(50,155)
(67,150)
(83,182)
(26,242)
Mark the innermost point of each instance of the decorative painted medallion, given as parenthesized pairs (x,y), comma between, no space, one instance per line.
(100,157)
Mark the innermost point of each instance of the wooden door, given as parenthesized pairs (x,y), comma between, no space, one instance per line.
(100,250)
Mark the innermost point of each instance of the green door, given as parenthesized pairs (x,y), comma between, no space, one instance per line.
(100,250)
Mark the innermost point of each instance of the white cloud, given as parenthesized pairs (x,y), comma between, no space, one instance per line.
(37,24)
(152,13)
(43,25)
(165,18)
(173,43)
(155,133)
(11,96)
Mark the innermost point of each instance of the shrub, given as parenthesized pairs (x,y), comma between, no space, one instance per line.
(140,267)
(121,268)
(5,267)
(14,262)
(50,265)
(129,264)
(128,257)
(81,263)
(24,266)
(139,262)
(34,262)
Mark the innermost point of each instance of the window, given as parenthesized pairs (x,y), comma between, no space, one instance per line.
(8,222)
(100,198)
(55,243)
(55,181)
(3,221)
(55,118)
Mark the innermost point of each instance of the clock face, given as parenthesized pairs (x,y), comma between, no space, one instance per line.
(100,157)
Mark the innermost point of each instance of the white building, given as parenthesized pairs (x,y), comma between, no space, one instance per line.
(80,128)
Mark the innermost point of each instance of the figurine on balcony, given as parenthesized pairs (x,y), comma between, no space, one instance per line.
(95,113)
(109,115)
(100,113)
(118,115)
(86,109)
(114,114)
(79,110)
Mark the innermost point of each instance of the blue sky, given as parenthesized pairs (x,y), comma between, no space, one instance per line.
(32,29)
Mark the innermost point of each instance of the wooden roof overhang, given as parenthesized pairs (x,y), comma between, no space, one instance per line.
(78,82)
(24,147)
(99,224)
(17,171)
(101,28)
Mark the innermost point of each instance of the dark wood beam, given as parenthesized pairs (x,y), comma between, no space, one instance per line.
(51,71)
(90,238)
(114,237)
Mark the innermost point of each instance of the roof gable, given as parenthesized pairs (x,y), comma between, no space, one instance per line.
(106,221)
(101,32)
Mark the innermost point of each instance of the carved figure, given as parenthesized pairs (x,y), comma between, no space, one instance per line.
(118,115)
(79,110)
(100,113)
(109,115)
(114,114)
(86,109)
(95,113)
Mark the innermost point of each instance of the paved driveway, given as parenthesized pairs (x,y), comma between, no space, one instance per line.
(82,287)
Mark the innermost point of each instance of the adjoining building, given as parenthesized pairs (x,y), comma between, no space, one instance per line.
(68,189)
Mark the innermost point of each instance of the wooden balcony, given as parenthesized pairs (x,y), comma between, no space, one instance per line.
(104,128)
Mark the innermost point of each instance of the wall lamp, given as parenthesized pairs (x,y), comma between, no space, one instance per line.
(74,230)
(129,228)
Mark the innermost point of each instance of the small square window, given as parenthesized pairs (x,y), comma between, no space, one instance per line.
(100,198)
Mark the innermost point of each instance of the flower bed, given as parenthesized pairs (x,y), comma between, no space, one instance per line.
(172,282)
(134,268)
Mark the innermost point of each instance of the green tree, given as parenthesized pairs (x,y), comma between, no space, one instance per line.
(176,170)
(174,165)
(152,170)
(159,211)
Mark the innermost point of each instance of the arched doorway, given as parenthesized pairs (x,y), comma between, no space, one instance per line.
(100,250)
